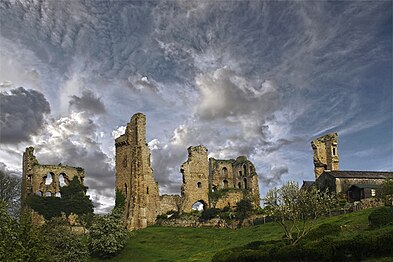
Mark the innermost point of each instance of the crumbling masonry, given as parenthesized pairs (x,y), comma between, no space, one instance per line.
(134,178)
(45,180)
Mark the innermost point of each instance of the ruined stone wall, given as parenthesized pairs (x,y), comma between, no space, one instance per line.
(325,153)
(134,175)
(343,184)
(195,173)
(170,203)
(230,199)
(239,173)
(45,180)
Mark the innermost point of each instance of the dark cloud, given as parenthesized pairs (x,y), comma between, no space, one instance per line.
(88,102)
(21,114)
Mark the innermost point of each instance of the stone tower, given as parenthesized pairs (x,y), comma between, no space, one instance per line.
(325,153)
(134,175)
(195,173)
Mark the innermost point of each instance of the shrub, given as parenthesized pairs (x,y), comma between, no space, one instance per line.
(107,237)
(210,213)
(380,217)
(322,231)
(243,208)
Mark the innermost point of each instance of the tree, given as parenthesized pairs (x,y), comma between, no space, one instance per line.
(107,236)
(294,209)
(10,192)
(387,192)
(9,244)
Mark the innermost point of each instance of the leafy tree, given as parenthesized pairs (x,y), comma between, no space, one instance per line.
(387,192)
(10,192)
(107,236)
(294,209)
(73,200)
(9,243)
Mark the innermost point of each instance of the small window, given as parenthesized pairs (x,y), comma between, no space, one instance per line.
(62,181)
(199,185)
(48,179)
(239,185)
(58,194)
(147,190)
(373,192)
(224,172)
(214,188)
(240,173)
(48,194)
(225,184)
(334,151)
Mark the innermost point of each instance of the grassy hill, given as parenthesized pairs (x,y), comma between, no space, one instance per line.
(200,244)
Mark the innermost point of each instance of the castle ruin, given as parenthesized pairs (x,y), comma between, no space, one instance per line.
(201,175)
(325,153)
(45,180)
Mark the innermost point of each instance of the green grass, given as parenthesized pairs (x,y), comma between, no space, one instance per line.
(200,244)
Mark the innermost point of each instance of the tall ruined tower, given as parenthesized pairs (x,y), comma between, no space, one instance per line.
(325,153)
(134,175)
(195,173)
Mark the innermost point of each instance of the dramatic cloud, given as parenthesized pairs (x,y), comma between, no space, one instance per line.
(255,78)
(21,114)
(87,102)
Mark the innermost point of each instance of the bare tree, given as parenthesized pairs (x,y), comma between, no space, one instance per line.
(10,187)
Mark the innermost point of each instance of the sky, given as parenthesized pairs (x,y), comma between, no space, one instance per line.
(258,78)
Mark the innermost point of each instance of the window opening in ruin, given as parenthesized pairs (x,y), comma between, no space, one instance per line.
(48,179)
(48,194)
(199,205)
(125,186)
(245,183)
(224,172)
(62,181)
(214,188)
(28,178)
(38,193)
(225,184)
(245,170)
(373,192)
(239,185)
(58,194)
(199,185)
(147,190)
(240,173)
(334,151)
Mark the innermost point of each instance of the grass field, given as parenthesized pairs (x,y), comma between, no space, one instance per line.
(200,244)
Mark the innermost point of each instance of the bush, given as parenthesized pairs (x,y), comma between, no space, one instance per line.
(323,231)
(107,236)
(380,217)
(210,213)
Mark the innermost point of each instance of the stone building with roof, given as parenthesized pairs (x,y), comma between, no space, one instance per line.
(355,185)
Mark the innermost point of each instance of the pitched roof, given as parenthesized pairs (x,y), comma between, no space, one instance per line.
(360,174)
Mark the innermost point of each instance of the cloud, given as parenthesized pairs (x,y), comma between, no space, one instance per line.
(87,102)
(274,177)
(22,114)
(73,140)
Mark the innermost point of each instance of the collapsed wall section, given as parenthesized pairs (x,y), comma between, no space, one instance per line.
(325,153)
(45,180)
(134,175)
(195,172)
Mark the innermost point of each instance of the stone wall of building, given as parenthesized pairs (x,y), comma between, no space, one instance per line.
(343,184)
(230,199)
(195,172)
(134,175)
(325,153)
(45,180)
(170,203)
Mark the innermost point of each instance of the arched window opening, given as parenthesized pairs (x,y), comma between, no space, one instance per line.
(244,169)
(48,178)
(38,193)
(214,188)
(48,194)
(62,180)
(147,190)
(224,172)
(199,205)
(58,194)
(245,183)
(225,184)
(240,173)
(239,185)
(199,185)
